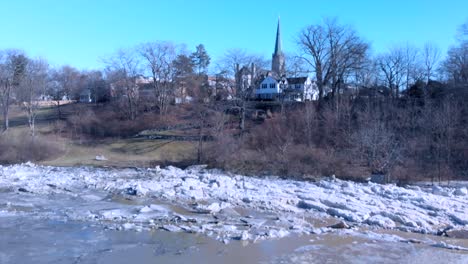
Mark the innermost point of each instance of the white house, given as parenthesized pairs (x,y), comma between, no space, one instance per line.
(301,89)
(298,89)
(269,89)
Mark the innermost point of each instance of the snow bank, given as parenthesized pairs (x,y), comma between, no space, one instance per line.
(213,199)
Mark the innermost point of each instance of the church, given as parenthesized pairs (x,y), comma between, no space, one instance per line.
(277,86)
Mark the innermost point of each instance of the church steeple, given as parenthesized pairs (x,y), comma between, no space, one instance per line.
(278,39)
(277,62)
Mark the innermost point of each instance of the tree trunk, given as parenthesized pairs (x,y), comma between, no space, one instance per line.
(59,113)
(6,106)
(6,121)
(200,144)
(242,118)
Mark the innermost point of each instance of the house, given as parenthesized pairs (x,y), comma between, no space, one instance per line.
(245,80)
(298,89)
(301,89)
(85,96)
(270,88)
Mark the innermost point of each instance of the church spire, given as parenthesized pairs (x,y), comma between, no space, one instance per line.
(278,60)
(278,49)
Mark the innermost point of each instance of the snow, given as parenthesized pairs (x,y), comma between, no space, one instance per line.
(213,201)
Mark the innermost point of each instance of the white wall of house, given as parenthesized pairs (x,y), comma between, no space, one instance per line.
(269,88)
(304,91)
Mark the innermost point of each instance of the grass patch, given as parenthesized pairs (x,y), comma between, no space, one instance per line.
(126,152)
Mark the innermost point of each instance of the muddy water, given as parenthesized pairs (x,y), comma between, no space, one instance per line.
(29,240)
(38,229)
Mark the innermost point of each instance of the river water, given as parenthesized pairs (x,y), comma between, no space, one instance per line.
(30,240)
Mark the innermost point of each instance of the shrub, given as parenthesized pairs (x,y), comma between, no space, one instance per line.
(19,146)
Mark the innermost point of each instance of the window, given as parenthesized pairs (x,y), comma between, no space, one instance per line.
(264,85)
(272,85)
(298,86)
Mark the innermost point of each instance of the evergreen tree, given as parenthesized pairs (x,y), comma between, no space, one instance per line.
(200,59)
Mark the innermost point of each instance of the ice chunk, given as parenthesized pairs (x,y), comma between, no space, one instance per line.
(462,191)
(380,220)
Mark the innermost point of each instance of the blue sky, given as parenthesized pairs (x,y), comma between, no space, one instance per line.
(80,32)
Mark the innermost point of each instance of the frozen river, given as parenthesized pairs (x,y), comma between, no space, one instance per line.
(26,240)
(86,215)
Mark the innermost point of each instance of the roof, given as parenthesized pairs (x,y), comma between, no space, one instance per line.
(270,77)
(297,80)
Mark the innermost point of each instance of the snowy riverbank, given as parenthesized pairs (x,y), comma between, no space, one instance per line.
(222,205)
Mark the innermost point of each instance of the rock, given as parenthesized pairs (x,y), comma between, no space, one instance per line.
(443,232)
(243,236)
(462,191)
(101,158)
(412,241)
(131,191)
(378,178)
(246,200)
(22,190)
(340,225)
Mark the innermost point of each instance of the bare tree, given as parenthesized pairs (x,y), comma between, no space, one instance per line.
(367,74)
(33,85)
(12,69)
(392,66)
(377,145)
(123,68)
(296,66)
(333,51)
(245,69)
(159,57)
(414,69)
(5,88)
(95,84)
(431,57)
(441,123)
(455,66)
(65,81)
(233,57)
